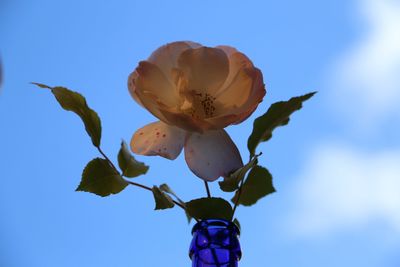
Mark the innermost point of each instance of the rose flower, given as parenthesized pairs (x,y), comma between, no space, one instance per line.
(195,92)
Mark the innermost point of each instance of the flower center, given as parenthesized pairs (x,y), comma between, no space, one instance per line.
(207,102)
(199,105)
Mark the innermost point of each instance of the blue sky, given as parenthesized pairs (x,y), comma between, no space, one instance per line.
(335,166)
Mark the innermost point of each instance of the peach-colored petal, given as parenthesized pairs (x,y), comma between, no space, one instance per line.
(166,56)
(245,114)
(158,138)
(212,154)
(185,121)
(145,99)
(132,87)
(193,44)
(238,92)
(152,104)
(232,113)
(237,62)
(181,84)
(206,68)
(257,94)
(222,121)
(151,79)
(229,50)
(247,89)
(197,88)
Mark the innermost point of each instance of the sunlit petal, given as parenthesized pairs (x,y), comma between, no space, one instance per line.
(238,92)
(222,121)
(256,95)
(132,87)
(237,61)
(205,67)
(166,56)
(244,93)
(145,99)
(229,50)
(150,78)
(185,121)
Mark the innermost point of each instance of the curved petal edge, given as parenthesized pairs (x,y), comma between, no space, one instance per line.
(212,154)
(160,139)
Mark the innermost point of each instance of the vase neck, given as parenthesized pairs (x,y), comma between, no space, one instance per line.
(215,244)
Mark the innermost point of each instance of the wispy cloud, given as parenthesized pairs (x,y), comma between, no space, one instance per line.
(341,187)
(367,78)
(344,186)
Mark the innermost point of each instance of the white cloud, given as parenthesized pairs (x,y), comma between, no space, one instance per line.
(344,188)
(367,78)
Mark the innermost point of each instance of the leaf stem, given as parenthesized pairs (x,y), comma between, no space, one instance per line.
(238,198)
(105,156)
(207,189)
(133,183)
(240,188)
(149,189)
(140,185)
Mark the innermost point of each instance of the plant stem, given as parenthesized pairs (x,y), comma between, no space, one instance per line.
(105,156)
(137,184)
(240,187)
(140,185)
(149,189)
(207,189)
(237,199)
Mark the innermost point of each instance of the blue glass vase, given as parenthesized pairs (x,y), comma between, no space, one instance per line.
(215,243)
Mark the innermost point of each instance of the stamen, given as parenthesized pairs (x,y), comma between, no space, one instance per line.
(201,105)
(208,105)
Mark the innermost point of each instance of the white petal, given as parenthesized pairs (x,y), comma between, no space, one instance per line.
(158,138)
(212,154)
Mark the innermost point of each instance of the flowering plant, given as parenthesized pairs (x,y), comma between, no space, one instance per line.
(195,92)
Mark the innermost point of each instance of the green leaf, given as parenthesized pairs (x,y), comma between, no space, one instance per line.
(100,178)
(75,102)
(209,208)
(188,217)
(129,165)
(231,183)
(257,185)
(41,85)
(163,201)
(167,189)
(277,115)
(237,223)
